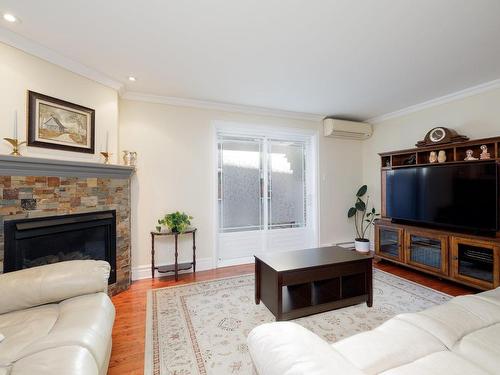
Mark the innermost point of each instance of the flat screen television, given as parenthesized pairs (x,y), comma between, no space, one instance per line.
(462,196)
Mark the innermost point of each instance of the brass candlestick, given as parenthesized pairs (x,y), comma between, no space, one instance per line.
(15,145)
(106,156)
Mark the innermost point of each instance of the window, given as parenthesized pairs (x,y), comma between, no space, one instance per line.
(261,183)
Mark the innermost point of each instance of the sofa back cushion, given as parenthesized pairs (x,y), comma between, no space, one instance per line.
(52,283)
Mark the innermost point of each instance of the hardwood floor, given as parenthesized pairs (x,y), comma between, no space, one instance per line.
(430,281)
(129,330)
(127,356)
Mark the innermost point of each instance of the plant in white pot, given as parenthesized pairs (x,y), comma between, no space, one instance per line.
(363,219)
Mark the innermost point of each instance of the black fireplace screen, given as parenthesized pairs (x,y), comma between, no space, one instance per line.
(38,241)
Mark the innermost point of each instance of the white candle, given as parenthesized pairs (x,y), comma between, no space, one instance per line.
(107,141)
(15,124)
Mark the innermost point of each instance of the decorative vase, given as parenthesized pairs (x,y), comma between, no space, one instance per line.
(158,228)
(433,157)
(362,245)
(126,157)
(133,158)
(442,156)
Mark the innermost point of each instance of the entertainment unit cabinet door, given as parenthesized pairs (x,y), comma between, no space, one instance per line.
(475,262)
(389,242)
(427,250)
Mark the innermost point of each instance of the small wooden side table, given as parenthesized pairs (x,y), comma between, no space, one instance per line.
(176,267)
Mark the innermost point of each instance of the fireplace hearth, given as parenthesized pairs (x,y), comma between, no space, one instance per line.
(44,240)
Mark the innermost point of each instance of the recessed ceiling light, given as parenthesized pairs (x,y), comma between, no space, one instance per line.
(131,78)
(9,17)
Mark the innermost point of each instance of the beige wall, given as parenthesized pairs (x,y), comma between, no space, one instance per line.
(175,147)
(20,72)
(476,116)
(175,172)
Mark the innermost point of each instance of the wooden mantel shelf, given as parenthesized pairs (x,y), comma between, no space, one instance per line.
(30,166)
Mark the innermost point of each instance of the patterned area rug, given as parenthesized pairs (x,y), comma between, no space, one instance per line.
(201,328)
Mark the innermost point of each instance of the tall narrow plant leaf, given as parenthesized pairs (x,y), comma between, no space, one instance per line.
(351,212)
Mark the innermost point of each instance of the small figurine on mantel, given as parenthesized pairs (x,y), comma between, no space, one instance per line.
(469,155)
(433,158)
(484,154)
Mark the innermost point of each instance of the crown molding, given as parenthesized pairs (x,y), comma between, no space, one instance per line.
(219,106)
(33,48)
(474,90)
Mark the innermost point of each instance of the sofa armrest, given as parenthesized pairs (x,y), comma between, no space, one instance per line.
(52,283)
(286,348)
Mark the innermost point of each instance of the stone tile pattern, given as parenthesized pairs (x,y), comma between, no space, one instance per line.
(34,196)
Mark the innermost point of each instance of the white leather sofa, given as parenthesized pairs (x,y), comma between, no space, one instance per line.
(459,337)
(56,319)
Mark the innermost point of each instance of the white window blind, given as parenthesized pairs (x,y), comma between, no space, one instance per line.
(261,183)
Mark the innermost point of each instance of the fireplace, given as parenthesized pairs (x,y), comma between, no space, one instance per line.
(44,240)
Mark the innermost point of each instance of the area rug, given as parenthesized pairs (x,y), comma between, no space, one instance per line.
(201,328)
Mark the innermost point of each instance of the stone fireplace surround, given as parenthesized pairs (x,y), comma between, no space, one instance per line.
(35,187)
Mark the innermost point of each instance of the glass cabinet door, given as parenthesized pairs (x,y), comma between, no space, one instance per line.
(475,262)
(427,250)
(389,241)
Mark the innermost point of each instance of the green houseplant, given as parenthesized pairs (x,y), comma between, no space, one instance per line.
(363,219)
(177,222)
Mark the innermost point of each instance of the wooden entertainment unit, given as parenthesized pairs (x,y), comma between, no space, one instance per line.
(468,259)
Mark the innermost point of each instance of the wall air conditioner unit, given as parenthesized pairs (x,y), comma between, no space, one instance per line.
(336,128)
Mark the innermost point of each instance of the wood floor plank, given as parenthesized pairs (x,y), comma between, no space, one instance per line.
(127,356)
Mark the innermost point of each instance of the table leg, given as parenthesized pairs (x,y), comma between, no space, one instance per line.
(369,283)
(194,252)
(176,263)
(152,256)
(279,295)
(257,281)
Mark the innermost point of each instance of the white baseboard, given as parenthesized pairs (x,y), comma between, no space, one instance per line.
(235,262)
(144,271)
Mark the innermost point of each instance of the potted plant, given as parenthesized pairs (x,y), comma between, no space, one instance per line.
(177,222)
(363,219)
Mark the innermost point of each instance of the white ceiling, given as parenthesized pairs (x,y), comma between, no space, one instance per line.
(349,58)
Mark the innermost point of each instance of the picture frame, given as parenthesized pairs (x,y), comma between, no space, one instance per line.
(57,124)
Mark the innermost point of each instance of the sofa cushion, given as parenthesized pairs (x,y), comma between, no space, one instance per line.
(439,363)
(86,321)
(392,344)
(23,328)
(455,319)
(52,283)
(482,347)
(73,360)
(285,348)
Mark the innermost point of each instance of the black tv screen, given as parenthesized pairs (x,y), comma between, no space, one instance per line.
(461,196)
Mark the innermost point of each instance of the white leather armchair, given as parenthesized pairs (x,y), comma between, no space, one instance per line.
(56,319)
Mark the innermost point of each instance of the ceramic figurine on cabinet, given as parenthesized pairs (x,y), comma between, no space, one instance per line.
(442,156)
(411,160)
(484,154)
(469,155)
(433,157)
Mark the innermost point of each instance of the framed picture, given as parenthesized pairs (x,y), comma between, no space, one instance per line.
(57,124)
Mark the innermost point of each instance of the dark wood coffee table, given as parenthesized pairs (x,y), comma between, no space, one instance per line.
(298,283)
